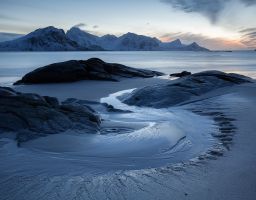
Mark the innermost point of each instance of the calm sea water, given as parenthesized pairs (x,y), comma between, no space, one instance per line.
(14,65)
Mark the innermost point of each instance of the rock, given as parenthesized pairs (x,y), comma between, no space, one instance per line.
(181,90)
(76,70)
(52,101)
(182,74)
(5,91)
(99,107)
(32,115)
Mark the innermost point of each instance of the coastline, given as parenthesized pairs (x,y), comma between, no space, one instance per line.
(87,89)
(228,176)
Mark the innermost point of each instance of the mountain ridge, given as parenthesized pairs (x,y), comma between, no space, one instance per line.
(75,39)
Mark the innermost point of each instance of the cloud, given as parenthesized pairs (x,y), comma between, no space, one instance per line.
(80,25)
(95,26)
(249,37)
(211,43)
(7,17)
(9,36)
(249,2)
(247,30)
(209,8)
(17,28)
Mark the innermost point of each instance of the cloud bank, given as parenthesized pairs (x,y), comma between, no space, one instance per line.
(211,43)
(209,8)
(249,37)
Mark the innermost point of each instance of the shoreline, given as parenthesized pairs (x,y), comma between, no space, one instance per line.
(87,89)
(229,175)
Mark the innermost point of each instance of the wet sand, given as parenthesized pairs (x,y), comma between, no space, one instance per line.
(230,174)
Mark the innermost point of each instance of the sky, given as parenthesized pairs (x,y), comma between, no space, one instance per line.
(215,24)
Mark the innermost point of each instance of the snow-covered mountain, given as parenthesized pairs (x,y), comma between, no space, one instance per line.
(129,42)
(82,37)
(45,39)
(195,47)
(134,42)
(176,44)
(53,39)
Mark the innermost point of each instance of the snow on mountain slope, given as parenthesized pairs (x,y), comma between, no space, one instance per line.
(53,39)
(84,39)
(195,47)
(134,42)
(129,42)
(176,44)
(108,41)
(45,39)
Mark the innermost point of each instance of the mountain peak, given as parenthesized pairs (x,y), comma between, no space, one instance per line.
(109,35)
(176,42)
(54,39)
(129,34)
(194,44)
(43,39)
(47,30)
(77,31)
(74,28)
(195,47)
(83,38)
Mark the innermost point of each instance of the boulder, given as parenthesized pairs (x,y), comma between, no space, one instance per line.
(32,115)
(76,70)
(182,74)
(177,92)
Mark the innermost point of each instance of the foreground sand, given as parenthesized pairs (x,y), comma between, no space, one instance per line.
(231,176)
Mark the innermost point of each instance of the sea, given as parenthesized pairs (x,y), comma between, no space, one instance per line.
(13,65)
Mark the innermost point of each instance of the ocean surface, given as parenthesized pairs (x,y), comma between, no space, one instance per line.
(13,65)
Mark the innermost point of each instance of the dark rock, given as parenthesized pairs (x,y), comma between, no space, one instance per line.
(52,101)
(182,74)
(99,107)
(182,90)
(32,116)
(5,91)
(91,69)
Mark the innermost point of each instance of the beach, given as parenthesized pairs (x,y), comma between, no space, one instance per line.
(197,174)
(128,100)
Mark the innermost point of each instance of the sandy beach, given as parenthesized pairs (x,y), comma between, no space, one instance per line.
(226,175)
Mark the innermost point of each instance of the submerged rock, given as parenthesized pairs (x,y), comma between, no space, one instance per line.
(183,89)
(76,70)
(32,115)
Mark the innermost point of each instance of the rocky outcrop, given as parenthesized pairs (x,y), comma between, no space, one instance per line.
(32,115)
(181,74)
(183,89)
(76,70)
